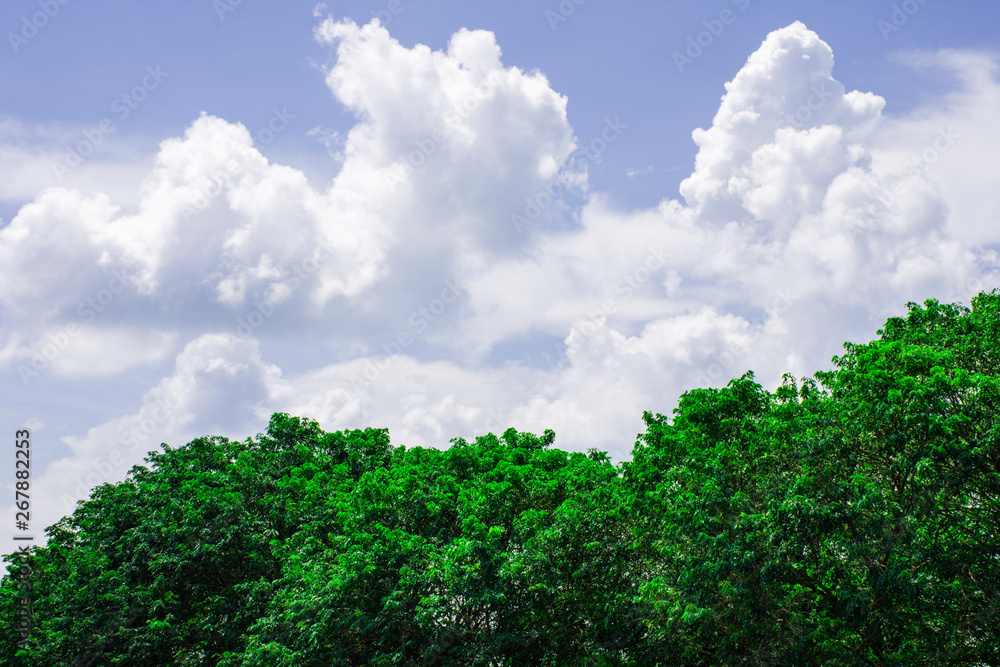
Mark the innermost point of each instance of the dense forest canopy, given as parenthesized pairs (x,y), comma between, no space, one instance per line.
(845,519)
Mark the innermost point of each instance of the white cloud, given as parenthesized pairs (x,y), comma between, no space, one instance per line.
(951,143)
(632,172)
(31,155)
(218,385)
(441,317)
(447,147)
(83,351)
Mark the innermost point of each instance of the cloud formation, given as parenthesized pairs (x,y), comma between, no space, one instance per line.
(434,312)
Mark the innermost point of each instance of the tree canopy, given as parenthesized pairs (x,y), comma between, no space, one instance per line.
(849,518)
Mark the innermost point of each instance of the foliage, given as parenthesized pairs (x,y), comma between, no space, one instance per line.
(846,519)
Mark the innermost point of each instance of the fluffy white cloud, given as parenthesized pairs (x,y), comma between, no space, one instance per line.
(448,145)
(436,315)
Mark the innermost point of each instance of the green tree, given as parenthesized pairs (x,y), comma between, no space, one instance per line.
(841,522)
(846,519)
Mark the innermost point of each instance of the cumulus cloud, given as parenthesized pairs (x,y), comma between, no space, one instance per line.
(801,226)
(446,146)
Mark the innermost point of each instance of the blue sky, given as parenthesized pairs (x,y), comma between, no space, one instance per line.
(471,216)
(607,58)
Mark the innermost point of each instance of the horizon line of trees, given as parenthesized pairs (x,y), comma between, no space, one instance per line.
(849,518)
